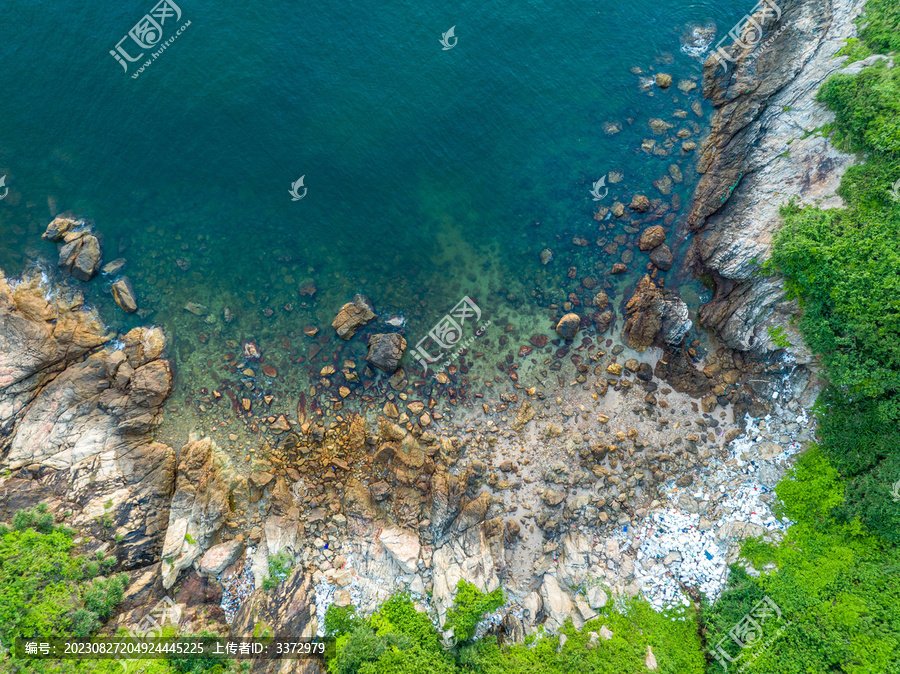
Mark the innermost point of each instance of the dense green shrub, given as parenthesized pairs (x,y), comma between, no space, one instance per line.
(469,606)
(836,585)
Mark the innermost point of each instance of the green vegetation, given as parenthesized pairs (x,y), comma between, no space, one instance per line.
(400,639)
(45,590)
(836,583)
(835,577)
(777,335)
(469,607)
(279,569)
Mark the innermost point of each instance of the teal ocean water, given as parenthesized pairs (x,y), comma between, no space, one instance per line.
(431,173)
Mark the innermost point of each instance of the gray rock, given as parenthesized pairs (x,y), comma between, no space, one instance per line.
(386,350)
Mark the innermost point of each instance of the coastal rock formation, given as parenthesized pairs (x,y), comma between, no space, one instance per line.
(653,312)
(352,316)
(76,416)
(386,350)
(764,100)
(198,510)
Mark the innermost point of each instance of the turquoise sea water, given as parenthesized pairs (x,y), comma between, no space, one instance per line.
(431,173)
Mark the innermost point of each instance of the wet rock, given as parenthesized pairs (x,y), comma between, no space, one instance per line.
(662,257)
(645,372)
(386,350)
(523,415)
(80,257)
(552,497)
(546,256)
(602,320)
(653,312)
(614,369)
(639,203)
(568,326)
(663,81)
(60,226)
(539,341)
(123,294)
(652,237)
(352,316)
(601,300)
(709,404)
(659,125)
(113,267)
(618,268)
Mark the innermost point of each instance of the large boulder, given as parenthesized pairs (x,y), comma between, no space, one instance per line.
(352,316)
(61,226)
(557,604)
(662,257)
(403,546)
(652,237)
(568,326)
(123,294)
(80,256)
(386,350)
(654,313)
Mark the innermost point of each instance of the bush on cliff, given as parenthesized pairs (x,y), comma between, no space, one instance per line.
(843,265)
(397,638)
(45,589)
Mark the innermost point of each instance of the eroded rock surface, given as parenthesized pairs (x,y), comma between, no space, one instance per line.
(77,414)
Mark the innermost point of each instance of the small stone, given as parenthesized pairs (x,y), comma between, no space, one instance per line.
(663,81)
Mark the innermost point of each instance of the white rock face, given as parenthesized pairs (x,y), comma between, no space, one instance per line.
(557,604)
(403,546)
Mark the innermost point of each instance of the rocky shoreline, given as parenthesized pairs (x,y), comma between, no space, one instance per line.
(608,467)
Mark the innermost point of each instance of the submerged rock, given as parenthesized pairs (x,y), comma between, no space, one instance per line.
(568,326)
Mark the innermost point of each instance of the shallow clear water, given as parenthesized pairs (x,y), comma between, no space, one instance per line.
(431,173)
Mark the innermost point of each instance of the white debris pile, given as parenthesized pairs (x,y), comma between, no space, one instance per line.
(673,550)
(677,548)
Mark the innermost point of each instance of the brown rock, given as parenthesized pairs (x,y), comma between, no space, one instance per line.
(123,294)
(639,203)
(652,237)
(353,316)
(568,326)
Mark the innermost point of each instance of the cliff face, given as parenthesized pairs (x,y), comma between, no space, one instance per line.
(756,158)
(76,415)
